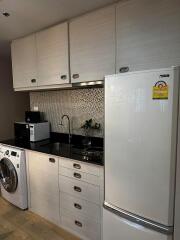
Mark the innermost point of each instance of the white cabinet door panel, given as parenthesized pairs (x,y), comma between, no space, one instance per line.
(47,209)
(43,185)
(92,45)
(53,55)
(148,34)
(24,62)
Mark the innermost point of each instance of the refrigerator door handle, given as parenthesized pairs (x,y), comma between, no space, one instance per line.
(168,230)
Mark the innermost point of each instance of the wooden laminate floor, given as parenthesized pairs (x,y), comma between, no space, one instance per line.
(16,224)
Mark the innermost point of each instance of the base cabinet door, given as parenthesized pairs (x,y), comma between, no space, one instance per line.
(43,185)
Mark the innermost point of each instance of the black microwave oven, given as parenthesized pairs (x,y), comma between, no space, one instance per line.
(22,131)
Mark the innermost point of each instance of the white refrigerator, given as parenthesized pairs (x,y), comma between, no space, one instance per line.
(141,112)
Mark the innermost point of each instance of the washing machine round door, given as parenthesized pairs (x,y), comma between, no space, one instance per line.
(8,175)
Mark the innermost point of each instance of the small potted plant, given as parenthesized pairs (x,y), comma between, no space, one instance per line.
(89,126)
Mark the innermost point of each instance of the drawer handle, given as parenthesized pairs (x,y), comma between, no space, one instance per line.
(63,77)
(79,224)
(78,206)
(77,166)
(75,75)
(77,189)
(52,160)
(124,69)
(33,80)
(77,175)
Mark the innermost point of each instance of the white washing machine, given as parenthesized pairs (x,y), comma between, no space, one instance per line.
(13,178)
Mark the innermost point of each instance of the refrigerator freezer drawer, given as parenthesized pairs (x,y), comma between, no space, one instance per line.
(116,228)
(168,230)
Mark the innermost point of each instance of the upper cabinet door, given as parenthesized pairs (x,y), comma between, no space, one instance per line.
(148,34)
(92,45)
(53,55)
(24,63)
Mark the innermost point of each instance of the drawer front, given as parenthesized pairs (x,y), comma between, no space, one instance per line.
(79,206)
(82,167)
(80,189)
(76,174)
(81,225)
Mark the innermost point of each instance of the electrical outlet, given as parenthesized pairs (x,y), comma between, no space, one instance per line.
(35,108)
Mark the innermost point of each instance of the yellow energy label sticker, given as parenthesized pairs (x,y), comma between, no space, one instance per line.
(160,90)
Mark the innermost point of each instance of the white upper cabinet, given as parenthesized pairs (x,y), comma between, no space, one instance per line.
(24,62)
(92,45)
(138,34)
(41,60)
(53,55)
(148,34)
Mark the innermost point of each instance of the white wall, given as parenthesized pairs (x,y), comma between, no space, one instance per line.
(12,104)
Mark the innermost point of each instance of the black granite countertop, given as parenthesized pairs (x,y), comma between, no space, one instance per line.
(57,145)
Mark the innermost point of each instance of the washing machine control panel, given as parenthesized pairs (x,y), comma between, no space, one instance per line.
(13,153)
(9,152)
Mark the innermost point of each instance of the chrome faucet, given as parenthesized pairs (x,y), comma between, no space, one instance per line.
(69,125)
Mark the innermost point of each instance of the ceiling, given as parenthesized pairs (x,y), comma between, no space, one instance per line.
(28,16)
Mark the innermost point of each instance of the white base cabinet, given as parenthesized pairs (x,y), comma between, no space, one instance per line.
(66,192)
(81,198)
(43,185)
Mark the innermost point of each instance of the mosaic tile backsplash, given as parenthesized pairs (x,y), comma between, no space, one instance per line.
(79,104)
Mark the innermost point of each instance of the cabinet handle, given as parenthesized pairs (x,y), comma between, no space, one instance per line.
(33,80)
(75,75)
(77,189)
(79,224)
(52,160)
(63,77)
(78,206)
(124,69)
(77,166)
(77,175)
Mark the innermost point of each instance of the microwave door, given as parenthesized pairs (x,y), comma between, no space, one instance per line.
(22,131)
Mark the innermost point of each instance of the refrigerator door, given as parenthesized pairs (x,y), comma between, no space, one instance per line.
(140,144)
(117,228)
